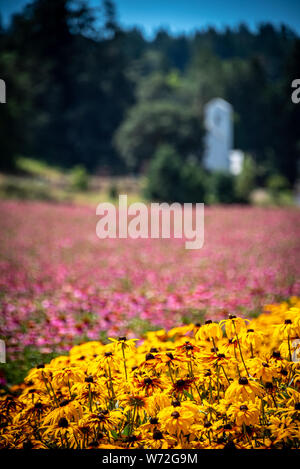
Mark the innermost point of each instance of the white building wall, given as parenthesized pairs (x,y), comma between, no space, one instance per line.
(219,134)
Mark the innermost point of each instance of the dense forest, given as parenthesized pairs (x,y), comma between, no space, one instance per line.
(82,90)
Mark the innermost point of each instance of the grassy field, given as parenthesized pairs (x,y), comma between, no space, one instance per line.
(35,180)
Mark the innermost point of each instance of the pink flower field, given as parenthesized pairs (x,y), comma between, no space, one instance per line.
(61,285)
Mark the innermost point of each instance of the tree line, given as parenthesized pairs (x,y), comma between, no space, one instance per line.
(83,90)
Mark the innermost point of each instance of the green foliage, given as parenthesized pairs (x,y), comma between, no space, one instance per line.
(16,370)
(277,183)
(153,123)
(279,189)
(79,179)
(113,191)
(222,188)
(24,190)
(38,168)
(170,179)
(245,181)
(16,112)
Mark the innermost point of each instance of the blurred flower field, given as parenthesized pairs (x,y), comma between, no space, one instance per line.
(61,286)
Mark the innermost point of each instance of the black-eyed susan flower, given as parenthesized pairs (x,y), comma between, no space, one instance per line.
(251,339)
(123,343)
(136,403)
(67,376)
(72,410)
(246,413)
(244,389)
(283,428)
(209,331)
(103,419)
(64,433)
(234,326)
(176,420)
(158,440)
(148,385)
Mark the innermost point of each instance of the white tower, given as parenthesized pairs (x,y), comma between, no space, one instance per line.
(236,161)
(219,134)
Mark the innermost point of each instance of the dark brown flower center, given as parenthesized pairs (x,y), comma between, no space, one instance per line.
(154,421)
(101,415)
(149,356)
(243,407)
(157,435)
(64,402)
(89,379)
(147,381)
(27,445)
(228,426)
(243,381)
(189,347)
(180,383)
(175,415)
(176,403)
(63,423)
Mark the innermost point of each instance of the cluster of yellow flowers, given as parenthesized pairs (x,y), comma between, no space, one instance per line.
(232,384)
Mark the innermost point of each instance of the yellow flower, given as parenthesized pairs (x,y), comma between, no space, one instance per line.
(40,374)
(64,433)
(123,342)
(252,339)
(287,330)
(244,413)
(243,390)
(136,403)
(234,326)
(67,376)
(72,410)
(263,369)
(158,440)
(149,385)
(103,419)
(283,428)
(176,420)
(210,330)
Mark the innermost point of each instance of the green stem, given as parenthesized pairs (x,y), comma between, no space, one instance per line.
(225,374)
(240,350)
(124,361)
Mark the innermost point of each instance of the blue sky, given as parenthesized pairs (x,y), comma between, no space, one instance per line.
(187,15)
